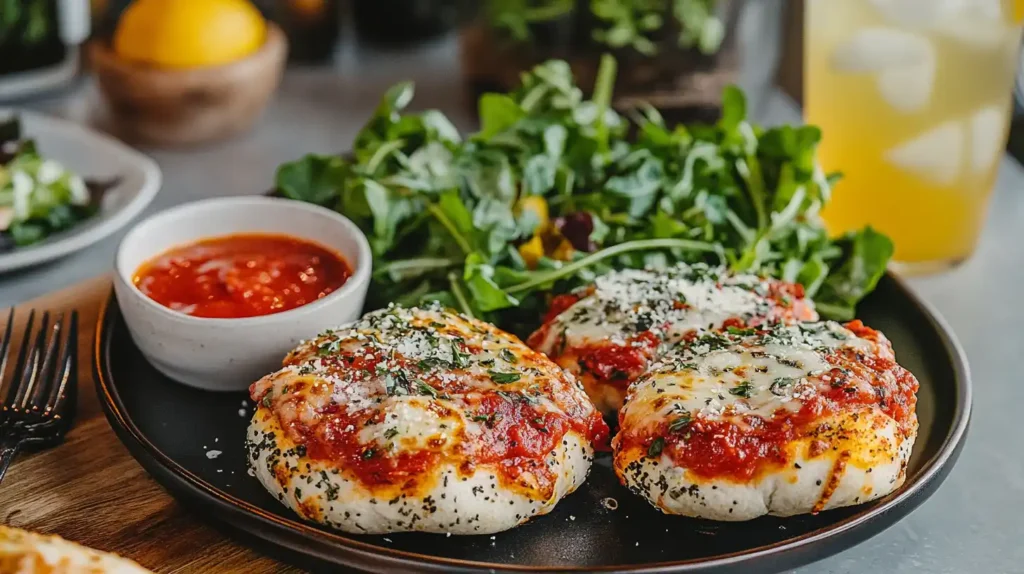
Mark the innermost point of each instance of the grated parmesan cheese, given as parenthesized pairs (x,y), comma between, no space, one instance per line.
(721,375)
(668,302)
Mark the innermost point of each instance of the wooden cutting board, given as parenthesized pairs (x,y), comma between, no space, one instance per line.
(91,491)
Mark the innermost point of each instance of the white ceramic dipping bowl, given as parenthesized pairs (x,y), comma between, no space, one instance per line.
(230,354)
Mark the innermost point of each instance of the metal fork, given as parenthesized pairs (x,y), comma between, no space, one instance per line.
(37,409)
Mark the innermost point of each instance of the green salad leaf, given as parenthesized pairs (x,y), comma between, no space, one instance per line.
(38,196)
(556,189)
(865,255)
(311,181)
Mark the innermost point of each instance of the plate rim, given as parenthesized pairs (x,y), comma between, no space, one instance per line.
(291,533)
(74,241)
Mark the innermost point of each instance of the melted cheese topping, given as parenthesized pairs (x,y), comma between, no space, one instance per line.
(670,302)
(629,318)
(409,422)
(403,390)
(739,373)
(729,402)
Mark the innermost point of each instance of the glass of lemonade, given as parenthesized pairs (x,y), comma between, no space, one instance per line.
(913,98)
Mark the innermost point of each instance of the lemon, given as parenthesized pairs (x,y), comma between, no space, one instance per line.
(189,33)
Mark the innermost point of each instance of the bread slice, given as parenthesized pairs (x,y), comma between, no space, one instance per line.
(23,552)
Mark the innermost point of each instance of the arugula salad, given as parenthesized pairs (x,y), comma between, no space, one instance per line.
(38,196)
(557,188)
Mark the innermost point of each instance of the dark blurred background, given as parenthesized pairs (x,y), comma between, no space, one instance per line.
(677,61)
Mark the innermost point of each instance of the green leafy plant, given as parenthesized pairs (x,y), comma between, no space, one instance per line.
(551,193)
(516,16)
(25,22)
(632,24)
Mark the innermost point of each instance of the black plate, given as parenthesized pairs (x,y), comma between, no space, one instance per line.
(170,428)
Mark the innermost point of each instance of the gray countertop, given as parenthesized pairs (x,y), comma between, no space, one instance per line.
(970,525)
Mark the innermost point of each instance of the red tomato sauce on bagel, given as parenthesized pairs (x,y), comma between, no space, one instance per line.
(739,446)
(500,405)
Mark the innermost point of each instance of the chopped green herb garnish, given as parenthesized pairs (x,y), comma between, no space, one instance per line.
(657,445)
(742,390)
(680,422)
(328,347)
(508,356)
(426,389)
(714,341)
(396,384)
(459,359)
(503,378)
(489,420)
(780,384)
(390,433)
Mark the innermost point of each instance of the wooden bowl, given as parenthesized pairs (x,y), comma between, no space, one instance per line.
(188,106)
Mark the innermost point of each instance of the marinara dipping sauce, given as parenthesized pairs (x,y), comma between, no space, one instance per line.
(243,275)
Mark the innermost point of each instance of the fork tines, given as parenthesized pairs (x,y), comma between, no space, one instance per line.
(40,396)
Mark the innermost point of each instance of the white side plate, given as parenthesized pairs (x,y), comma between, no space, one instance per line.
(93,156)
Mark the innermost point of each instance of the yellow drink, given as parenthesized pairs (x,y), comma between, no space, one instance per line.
(913,98)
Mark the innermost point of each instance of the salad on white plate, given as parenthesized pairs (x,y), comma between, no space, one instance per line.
(39,196)
(64,187)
